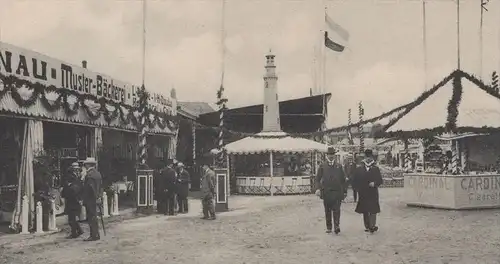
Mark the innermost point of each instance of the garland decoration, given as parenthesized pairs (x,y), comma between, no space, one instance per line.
(142,107)
(11,84)
(453,104)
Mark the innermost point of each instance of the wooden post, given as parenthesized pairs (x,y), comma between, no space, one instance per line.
(39,218)
(271,170)
(105,206)
(25,216)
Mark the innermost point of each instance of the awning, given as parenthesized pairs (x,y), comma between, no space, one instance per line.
(277,142)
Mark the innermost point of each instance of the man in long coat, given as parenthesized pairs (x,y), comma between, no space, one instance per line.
(367,179)
(183,181)
(168,187)
(71,193)
(92,193)
(331,187)
(208,193)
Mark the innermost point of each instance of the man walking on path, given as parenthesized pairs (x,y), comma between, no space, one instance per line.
(350,168)
(92,192)
(183,180)
(367,179)
(331,187)
(208,192)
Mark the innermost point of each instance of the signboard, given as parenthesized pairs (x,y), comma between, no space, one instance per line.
(221,187)
(35,67)
(429,190)
(478,191)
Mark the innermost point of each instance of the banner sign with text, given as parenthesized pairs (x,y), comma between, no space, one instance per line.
(35,67)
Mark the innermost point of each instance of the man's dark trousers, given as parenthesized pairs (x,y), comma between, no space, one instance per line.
(169,203)
(75,226)
(91,209)
(332,208)
(370,220)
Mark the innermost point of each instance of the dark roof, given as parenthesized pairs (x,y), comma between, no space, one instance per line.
(311,105)
(196,108)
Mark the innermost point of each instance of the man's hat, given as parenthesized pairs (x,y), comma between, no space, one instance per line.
(331,151)
(180,164)
(90,160)
(75,164)
(368,153)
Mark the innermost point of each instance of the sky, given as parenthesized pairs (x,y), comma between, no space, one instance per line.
(383,64)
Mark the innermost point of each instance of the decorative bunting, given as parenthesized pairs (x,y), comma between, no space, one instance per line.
(361,128)
(12,84)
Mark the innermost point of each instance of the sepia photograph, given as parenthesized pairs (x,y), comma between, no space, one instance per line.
(249,131)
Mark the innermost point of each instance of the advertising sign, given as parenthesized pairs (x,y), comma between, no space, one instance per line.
(35,67)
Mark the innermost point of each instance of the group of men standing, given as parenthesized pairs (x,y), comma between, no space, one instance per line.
(83,187)
(173,187)
(173,184)
(332,181)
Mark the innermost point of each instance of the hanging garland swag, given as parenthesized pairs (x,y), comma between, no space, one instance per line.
(12,83)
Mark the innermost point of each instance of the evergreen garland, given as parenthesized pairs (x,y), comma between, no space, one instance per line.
(12,83)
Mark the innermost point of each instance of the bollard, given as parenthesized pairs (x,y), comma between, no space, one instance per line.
(114,207)
(52,216)
(25,216)
(83,214)
(105,205)
(39,218)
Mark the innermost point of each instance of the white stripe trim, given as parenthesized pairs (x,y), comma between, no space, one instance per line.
(343,33)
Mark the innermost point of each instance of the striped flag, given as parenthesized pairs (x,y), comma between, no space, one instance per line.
(338,37)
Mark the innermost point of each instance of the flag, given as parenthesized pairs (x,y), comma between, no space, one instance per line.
(341,36)
(483,4)
(333,45)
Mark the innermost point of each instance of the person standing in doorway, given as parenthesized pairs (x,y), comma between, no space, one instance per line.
(367,179)
(183,181)
(71,193)
(92,193)
(208,192)
(331,187)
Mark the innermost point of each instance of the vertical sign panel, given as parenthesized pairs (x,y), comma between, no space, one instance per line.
(150,202)
(141,190)
(221,188)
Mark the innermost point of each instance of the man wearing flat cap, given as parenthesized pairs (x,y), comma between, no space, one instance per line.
(367,179)
(92,193)
(331,187)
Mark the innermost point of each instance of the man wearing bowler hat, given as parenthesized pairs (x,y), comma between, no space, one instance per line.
(92,193)
(367,179)
(331,187)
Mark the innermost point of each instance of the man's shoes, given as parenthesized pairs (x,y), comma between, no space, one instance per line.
(204,218)
(212,218)
(374,229)
(367,230)
(92,239)
(328,231)
(337,230)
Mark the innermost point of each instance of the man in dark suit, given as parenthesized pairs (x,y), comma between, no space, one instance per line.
(367,179)
(92,193)
(208,192)
(168,179)
(183,180)
(71,193)
(331,187)
(350,168)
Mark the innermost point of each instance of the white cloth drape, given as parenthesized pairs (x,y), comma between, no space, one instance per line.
(172,148)
(96,142)
(32,143)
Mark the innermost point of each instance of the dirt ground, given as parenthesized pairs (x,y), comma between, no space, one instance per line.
(279,230)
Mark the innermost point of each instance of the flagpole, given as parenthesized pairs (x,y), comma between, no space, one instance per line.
(325,114)
(481,41)
(424,39)
(458,34)
(144,6)
(223,39)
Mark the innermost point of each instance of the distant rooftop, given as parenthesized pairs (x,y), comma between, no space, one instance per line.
(196,108)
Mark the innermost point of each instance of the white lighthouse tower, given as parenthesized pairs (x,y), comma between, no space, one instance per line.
(271,114)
